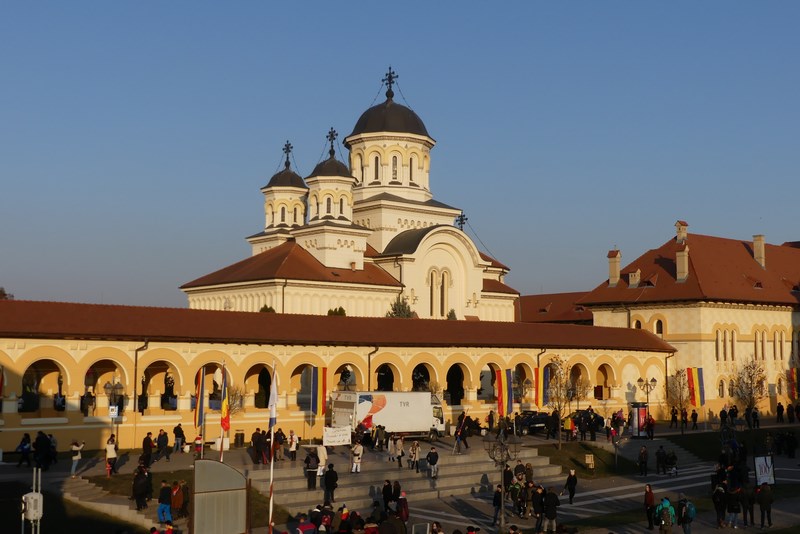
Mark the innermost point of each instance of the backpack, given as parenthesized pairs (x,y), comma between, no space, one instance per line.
(327,519)
(691,511)
(665,517)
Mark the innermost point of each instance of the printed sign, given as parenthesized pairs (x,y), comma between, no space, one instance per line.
(335,435)
(765,470)
(113,411)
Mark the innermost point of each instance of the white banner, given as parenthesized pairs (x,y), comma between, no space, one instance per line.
(336,435)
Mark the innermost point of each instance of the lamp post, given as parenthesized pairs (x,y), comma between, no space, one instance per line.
(501,448)
(647,387)
(115,393)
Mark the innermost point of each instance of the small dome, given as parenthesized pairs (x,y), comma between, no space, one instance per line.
(330,167)
(389,117)
(287,178)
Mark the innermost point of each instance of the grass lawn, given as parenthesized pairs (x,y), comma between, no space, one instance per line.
(707,445)
(259,503)
(58,515)
(573,456)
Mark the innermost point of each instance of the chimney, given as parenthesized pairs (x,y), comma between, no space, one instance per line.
(682,263)
(614,259)
(634,278)
(681,231)
(758,250)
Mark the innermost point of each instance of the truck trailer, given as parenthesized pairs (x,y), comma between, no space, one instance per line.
(415,414)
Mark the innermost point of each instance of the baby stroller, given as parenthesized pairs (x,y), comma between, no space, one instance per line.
(671,463)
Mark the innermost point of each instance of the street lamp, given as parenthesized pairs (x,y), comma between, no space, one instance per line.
(501,448)
(647,387)
(115,393)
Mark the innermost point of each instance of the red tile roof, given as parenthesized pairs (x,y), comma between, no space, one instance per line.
(63,320)
(720,269)
(493,261)
(495,286)
(554,308)
(293,262)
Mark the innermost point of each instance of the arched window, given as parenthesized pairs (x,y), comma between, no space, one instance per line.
(725,345)
(328,205)
(411,169)
(721,389)
(637,324)
(283,214)
(433,292)
(659,327)
(272,215)
(763,345)
(358,166)
(394,168)
(733,345)
(294,217)
(377,169)
(443,295)
(731,388)
(779,386)
(775,345)
(341,206)
(783,343)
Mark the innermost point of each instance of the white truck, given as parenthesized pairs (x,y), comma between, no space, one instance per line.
(414,414)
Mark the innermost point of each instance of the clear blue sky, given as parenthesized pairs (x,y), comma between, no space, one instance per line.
(134,136)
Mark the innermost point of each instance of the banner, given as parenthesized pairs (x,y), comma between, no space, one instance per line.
(791,383)
(336,435)
(200,393)
(225,409)
(505,395)
(319,389)
(545,386)
(697,391)
(273,398)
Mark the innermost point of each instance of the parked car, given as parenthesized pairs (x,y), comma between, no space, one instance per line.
(532,422)
(594,419)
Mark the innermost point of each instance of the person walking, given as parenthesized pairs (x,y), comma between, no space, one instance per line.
(330,481)
(432,459)
(358,452)
(643,457)
(386,493)
(571,484)
(538,507)
(147,449)
(24,450)
(322,454)
(694,419)
(551,504)
(162,445)
(140,489)
(764,499)
(497,502)
(649,505)
(76,455)
(111,454)
(413,456)
(685,513)
(665,516)
(180,438)
(293,442)
(164,503)
(312,466)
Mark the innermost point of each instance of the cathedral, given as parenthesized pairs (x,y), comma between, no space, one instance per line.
(361,236)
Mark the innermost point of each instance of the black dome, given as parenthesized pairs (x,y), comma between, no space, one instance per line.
(330,167)
(390,117)
(287,178)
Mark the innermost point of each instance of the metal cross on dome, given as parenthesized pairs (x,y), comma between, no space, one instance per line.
(287,149)
(389,80)
(332,135)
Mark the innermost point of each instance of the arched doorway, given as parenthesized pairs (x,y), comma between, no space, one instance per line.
(158,388)
(104,386)
(604,380)
(579,385)
(421,378)
(301,383)
(454,393)
(42,388)
(487,392)
(522,382)
(347,378)
(385,376)
(257,382)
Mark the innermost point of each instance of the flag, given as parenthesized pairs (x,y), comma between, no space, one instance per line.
(2,379)
(505,395)
(697,391)
(273,398)
(200,393)
(791,379)
(544,385)
(225,409)
(319,382)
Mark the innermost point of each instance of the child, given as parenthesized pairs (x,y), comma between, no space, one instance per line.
(198,445)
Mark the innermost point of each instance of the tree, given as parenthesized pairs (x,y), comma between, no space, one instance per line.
(451,315)
(400,308)
(559,390)
(749,384)
(235,399)
(4,295)
(337,311)
(267,309)
(579,389)
(678,391)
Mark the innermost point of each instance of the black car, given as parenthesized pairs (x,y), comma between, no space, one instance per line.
(531,422)
(593,419)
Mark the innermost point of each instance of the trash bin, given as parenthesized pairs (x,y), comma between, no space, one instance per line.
(238,438)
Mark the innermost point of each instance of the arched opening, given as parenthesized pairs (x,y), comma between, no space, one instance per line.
(659,327)
(522,382)
(346,378)
(385,378)
(411,169)
(377,169)
(328,206)
(604,379)
(103,385)
(42,389)
(487,391)
(454,393)
(394,168)
(283,214)
(301,383)
(257,382)
(158,388)
(421,378)
(637,324)
(341,207)
(579,384)
(294,217)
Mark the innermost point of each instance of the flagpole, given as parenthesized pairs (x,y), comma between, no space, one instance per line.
(273,412)
(222,414)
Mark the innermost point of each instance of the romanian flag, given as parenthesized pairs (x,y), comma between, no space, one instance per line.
(200,392)
(505,395)
(273,398)
(225,409)
(697,391)
(319,389)
(791,380)
(2,379)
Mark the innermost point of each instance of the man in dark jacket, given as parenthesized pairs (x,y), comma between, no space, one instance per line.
(551,504)
(330,481)
(162,444)
(312,463)
(164,502)
(147,449)
(180,438)
(497,502)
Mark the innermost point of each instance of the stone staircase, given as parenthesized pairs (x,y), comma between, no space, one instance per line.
(88,495)
(629,448)
(465,474)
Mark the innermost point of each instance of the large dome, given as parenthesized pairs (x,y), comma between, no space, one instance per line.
(389,117)
(287,178)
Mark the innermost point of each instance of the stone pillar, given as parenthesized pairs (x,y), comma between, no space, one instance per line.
(185,403)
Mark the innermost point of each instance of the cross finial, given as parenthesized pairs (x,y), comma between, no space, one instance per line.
(389,80)
(461,220)
(287,149)
(332,135)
